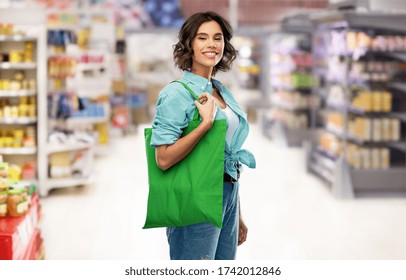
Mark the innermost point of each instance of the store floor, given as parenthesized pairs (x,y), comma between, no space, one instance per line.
(290,214)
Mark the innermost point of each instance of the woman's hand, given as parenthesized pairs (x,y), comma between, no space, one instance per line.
(207,108)
(242,231)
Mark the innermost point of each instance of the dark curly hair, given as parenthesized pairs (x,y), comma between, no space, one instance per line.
(183,51)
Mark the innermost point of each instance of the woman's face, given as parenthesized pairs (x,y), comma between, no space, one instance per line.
(208,47)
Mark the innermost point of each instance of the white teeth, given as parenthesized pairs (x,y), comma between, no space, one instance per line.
(210,54)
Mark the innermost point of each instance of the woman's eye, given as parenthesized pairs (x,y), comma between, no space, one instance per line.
(202,38)
(218,38)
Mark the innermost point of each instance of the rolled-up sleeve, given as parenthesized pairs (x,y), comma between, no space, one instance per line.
(171,116)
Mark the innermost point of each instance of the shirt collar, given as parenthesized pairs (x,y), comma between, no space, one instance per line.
(197,80)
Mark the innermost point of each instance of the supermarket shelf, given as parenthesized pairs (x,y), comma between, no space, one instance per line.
(401,116)
(347,181)
(380,20)
(63,27)
(78,120)
(326,154)
(56,148)
(386,180)
(290,137)
(341,134)
(398,55)
(18,120)
(398,86)
(398,145)
(14,93)
(324,174)
(342,107)
(285,105)
(17,66)
(18,151)
(70,182)
(21,38)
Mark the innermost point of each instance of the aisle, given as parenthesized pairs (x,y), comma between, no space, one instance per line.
(290,214)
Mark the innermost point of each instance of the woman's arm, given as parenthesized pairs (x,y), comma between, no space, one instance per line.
(169,155)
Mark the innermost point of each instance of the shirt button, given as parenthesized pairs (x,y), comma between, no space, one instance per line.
(209,83)
(203,88)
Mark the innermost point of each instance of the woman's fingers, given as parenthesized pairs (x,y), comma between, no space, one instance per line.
(203,98)
(207,106)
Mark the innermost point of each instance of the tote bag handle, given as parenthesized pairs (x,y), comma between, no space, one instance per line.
(196,114)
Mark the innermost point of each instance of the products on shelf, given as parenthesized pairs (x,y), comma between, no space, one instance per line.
(375,129)
(368,158)
(6,29)
(295,100)
(20,236)
(330,144)
(102,130)
(62,20)
(15,195)
(364,100)
(17,204)
(59,39)
(357,156)
(25,106)
(373,101)
(18,82)
(17,138)
(292,80)
(61,67)
(24,54)
(358,40)
(374,70)
(248,61)
(290,83)
(68,164)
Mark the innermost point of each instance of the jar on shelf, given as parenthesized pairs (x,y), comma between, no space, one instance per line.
(16,206)
(24,190)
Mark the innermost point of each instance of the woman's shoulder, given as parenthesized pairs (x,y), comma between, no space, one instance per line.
(175,90)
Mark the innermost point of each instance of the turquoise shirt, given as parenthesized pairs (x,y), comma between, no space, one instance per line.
(175,109)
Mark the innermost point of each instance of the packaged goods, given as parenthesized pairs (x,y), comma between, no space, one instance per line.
(16,206)
(377,130)
(395,129)
(385,158)
(365,158)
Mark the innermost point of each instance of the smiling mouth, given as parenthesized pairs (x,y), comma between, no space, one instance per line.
(210,54)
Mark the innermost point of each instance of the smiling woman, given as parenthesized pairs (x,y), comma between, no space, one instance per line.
(203,49)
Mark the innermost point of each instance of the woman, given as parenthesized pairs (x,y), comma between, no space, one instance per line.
(203,49)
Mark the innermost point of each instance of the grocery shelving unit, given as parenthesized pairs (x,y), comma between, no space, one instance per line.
(79,87)
(23,123)
(290,82)
(22,80)
(359,144)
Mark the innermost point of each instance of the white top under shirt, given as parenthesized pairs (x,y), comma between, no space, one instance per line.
(233,122)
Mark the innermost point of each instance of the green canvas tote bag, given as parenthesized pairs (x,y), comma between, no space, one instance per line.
(191,191)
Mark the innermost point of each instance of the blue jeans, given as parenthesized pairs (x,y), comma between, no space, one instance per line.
(205,241)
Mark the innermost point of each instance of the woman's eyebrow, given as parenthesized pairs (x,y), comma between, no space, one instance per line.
(205,34)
